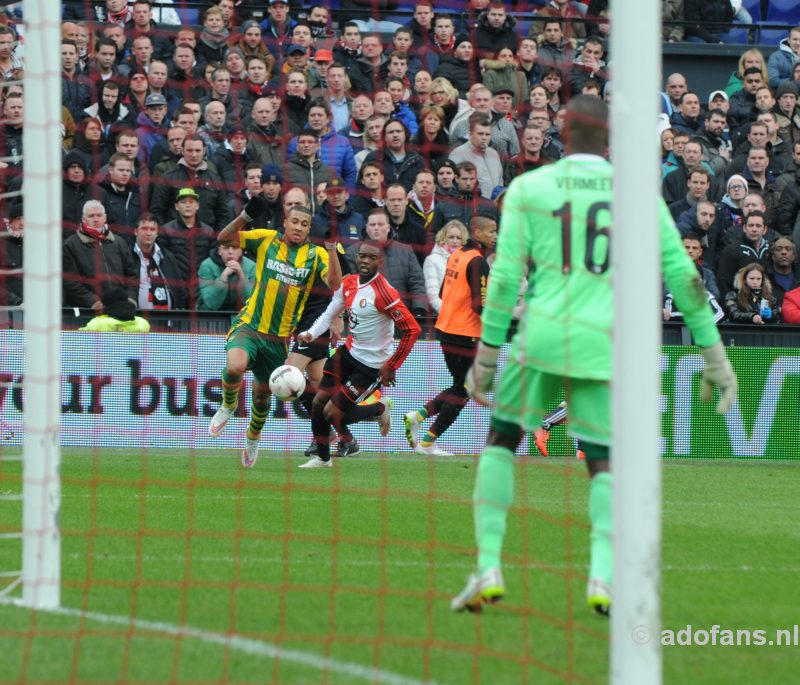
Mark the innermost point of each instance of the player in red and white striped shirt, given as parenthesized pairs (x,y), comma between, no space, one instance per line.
(366,360)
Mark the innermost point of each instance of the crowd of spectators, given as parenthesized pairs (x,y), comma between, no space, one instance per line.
(169,129)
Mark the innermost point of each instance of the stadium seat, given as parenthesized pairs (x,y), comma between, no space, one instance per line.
(189,17)
(779,12)
(782,11)
(737,36)
(523,24)
(740,36)
(771,36)
(754,7)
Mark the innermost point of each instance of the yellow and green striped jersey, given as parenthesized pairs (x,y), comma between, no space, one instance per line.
(285,275)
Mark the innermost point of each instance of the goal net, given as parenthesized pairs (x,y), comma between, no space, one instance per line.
(134,548)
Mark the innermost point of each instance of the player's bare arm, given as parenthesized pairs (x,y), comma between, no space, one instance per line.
(333,279)
(230,234)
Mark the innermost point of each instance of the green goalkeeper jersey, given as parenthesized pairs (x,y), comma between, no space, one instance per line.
(555,228)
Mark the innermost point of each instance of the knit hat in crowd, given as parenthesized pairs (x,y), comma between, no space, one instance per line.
(116,304)
(250,23)
(238,51)
(15,208)
(461,38)
(271,173)
(786,88)
(75,157)
(735,177)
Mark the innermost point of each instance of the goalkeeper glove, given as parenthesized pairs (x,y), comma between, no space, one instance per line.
(718,372)
(254,207)
(480,376)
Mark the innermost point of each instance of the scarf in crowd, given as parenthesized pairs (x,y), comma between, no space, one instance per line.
(215,39)
(122,17)
(445,48)
(356,127)
(158,286)
(349,51)
(257,90)
(158,291)
(416,206)
(96,233)
(318,29)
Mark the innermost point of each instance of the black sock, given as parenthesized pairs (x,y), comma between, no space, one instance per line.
(451,408)
(434,406)
(322,436)
(345,435)
(307,398)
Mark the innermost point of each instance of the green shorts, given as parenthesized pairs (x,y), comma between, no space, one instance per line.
(525,395)
(264,354)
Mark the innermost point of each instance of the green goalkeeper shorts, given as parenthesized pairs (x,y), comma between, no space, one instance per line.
(265,354)
(524,395)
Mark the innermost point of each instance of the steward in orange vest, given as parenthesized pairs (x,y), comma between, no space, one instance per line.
(458,327)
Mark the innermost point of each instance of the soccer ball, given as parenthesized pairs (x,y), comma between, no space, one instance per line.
(287,382)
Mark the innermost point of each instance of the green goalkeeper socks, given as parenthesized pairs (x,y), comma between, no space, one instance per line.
(494,492)
(601,565)
(230,391)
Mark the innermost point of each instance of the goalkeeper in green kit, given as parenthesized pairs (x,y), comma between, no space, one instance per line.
(556,225)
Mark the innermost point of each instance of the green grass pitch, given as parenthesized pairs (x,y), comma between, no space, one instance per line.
(183,568)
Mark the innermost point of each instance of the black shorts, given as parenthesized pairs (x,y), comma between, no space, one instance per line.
(314,350)
(348,380)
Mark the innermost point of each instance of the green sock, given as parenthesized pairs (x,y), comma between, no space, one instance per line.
(230,392)
(257,420)
(429,439)
(494,492)
(422,414)
(601,565)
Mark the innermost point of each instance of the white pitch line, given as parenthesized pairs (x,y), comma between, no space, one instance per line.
(233,496)
(422,563)
(397,499)
(246,645)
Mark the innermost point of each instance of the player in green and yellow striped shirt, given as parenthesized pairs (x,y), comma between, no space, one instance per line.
(287,267)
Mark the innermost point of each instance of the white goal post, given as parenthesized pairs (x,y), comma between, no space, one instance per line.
(41,539)
(636,388)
